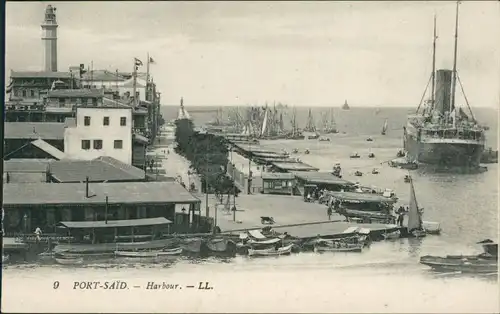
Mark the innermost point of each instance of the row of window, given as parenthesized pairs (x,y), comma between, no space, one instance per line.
(105,121)
(97,144)
(78,101)
(24,93)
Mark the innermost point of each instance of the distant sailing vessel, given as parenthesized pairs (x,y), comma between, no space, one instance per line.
(345,106)
(310,130)
(329,125)
(442,134)
(295,133)
(384,127)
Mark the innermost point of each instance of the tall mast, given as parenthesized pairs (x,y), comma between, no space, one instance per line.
(433,96)
(454,82)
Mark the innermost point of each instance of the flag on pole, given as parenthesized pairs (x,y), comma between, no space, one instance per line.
(138,62)
(151,60)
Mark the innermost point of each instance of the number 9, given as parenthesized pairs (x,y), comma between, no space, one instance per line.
(56,284)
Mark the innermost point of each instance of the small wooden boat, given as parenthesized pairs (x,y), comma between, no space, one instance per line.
(485,263)
(407,179)
(369,139)
(307,152)
(69,260)
(271,251)
(347,248)
(358,173)
(354,155)
(147,254)
(375,171)
(392,235)
(371,155)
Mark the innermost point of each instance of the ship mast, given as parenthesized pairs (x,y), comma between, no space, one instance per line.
(454,82)
(433,96)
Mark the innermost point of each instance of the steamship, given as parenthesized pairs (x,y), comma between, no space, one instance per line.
(440,133)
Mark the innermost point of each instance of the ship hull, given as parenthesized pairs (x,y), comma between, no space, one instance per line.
(446,154)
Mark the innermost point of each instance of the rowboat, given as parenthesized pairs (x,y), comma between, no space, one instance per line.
(69,260)
(348,248)
(326,245)
(167,252)
(271,251)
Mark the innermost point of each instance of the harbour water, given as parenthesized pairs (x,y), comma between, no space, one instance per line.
(385,278)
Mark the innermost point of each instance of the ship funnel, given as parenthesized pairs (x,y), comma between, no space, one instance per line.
(443,90)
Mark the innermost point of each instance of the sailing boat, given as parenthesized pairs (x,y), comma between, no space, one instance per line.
(384,127)
(264,123)
(310,129)
(295,134)
(330,126)
(345,106)
(415,224)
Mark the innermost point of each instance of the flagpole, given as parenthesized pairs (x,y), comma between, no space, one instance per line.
(116,83)
(134,76)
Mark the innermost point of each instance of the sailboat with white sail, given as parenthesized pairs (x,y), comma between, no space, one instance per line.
(384,127)
(415,224)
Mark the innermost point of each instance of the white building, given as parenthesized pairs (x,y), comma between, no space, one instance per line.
(121,82)
(100,131)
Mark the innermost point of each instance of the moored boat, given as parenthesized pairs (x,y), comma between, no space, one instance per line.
(69,260)
(484,263)
(323,245)
(285,250)
(415,223)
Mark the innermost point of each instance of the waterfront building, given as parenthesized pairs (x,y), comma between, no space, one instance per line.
(100,131)
(44,205)
(277,183)
(321,180)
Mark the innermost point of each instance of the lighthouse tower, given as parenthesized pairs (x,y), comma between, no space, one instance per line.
(49,38)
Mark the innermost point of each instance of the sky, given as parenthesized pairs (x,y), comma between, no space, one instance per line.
(298,53)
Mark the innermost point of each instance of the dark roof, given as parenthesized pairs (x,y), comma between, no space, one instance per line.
(115,223)
(39,74)
(118,193)
(320,178)
(294,166)
(362,197)
(277,176)
(49,149)
(98,170)
(75,93)
(26,165)
(34,130)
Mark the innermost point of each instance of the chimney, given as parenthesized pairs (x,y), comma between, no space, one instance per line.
(443,90)
(87,187)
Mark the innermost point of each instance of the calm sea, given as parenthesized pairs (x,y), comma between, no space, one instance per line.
(385,278)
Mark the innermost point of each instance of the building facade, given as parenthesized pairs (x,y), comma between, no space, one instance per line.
(100,131)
